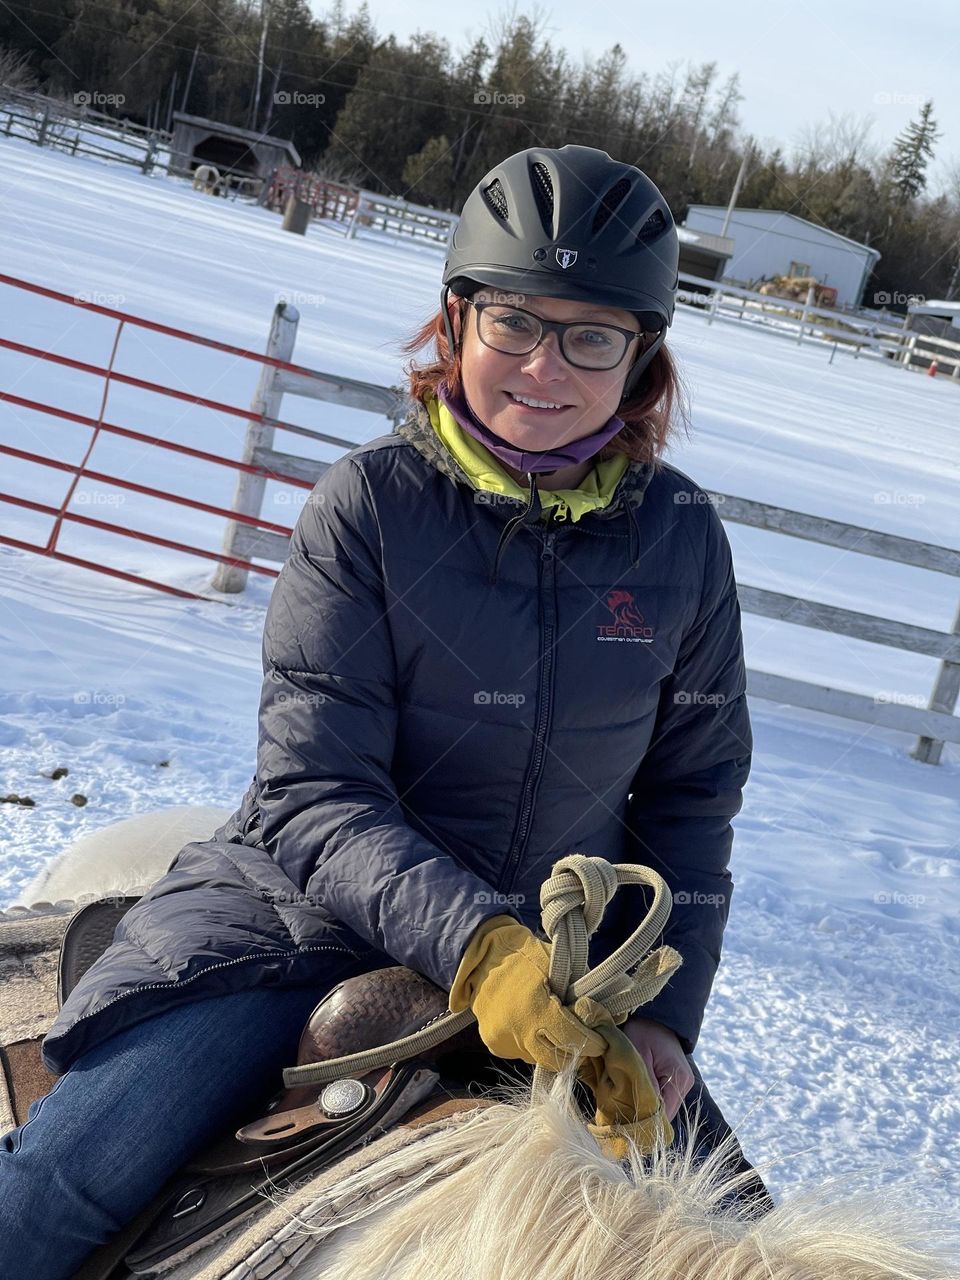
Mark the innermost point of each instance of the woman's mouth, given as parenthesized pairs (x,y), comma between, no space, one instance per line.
(533,404)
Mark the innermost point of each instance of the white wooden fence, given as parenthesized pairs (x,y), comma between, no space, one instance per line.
(242,540)
(401,218)
(877,335)
(934,724)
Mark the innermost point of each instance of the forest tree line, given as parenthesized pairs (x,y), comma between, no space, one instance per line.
(418,120)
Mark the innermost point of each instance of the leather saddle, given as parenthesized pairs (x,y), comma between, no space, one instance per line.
(300,1130)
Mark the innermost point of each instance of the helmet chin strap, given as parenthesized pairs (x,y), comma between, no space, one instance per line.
(640,364)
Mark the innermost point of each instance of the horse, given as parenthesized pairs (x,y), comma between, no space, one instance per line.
(206,177)
(512,1184)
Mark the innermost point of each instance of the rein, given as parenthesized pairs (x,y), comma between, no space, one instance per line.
(573,901)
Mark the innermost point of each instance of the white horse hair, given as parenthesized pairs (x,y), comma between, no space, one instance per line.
(123,857)
(206,177)
(521,1191)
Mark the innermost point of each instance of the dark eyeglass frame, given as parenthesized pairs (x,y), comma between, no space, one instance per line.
(559,328)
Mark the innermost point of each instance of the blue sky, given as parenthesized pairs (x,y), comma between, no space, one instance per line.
(798,61)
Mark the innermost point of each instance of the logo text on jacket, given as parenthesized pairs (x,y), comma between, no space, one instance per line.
(628,626)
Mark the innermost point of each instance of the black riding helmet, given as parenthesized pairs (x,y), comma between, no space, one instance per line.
(569,222)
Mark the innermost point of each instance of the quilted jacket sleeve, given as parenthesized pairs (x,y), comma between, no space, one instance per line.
(330,815)
(689,786)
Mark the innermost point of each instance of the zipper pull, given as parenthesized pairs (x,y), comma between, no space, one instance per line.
(548,546)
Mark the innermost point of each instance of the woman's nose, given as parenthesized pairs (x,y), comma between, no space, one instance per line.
(546,357)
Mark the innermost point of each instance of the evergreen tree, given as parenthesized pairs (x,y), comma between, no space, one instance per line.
(912,151)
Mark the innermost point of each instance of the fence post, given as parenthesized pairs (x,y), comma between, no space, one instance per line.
(44,125)
(150,153)
(352,229)
(297,214)
(248,496)
(805,313)
(943,698)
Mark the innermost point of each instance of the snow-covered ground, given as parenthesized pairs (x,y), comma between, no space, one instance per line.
(835,1017)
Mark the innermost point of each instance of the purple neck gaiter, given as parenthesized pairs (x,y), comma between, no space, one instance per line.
(545,461)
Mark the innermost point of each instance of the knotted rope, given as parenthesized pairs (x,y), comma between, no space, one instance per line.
(573,901)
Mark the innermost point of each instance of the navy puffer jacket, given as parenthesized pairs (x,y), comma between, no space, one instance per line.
(430,744)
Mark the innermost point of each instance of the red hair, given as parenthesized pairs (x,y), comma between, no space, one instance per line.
(648,414)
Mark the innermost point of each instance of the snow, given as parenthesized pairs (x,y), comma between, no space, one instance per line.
(831,1035)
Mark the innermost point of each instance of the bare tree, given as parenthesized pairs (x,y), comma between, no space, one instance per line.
(16,73)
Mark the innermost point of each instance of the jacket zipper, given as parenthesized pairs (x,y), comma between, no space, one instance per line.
(544,702)
(222,964)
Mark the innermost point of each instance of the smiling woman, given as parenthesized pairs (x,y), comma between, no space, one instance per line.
(566,366)
(531,372)
(435,734)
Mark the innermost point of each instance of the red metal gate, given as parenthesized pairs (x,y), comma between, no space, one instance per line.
(99,426)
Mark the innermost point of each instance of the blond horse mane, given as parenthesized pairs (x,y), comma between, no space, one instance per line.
(521,1191)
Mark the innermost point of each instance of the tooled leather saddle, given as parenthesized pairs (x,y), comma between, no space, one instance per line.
(304,1129)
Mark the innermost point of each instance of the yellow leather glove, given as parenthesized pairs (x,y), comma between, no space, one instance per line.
(502,977)
(628,1100)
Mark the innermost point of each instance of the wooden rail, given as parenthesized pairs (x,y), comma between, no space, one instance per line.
(935,724)
(879,336)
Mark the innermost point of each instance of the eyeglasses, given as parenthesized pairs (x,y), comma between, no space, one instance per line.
(516,332)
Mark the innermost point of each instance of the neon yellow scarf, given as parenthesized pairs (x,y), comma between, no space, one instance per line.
(595,491)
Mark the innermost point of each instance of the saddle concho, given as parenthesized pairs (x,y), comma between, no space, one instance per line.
(306,1128)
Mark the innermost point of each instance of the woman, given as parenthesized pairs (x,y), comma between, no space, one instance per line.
(504,632)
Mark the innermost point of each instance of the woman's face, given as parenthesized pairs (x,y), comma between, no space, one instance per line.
(492,379)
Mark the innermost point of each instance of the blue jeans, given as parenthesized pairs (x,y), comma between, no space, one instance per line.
(96,1150)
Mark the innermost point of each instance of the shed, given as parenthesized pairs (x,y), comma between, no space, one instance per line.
(939,319)
(771,242)
(244,153)
(703,254)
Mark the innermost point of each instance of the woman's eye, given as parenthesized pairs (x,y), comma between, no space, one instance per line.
(593,337)
(515,324)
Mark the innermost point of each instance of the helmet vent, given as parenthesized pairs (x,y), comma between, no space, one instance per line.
(497,200)
(611,201)
(653,226)
(543,194)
